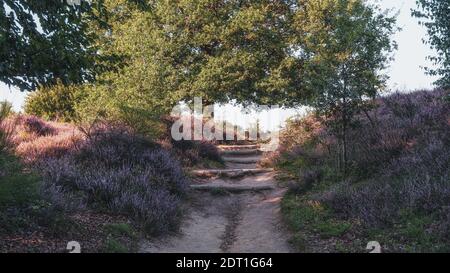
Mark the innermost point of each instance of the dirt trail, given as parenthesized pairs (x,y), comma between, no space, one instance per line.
(228,217)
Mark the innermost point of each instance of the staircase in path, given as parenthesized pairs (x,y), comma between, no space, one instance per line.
(240,173)
(235,209)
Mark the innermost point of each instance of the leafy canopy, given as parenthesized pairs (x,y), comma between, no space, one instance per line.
(220,50)
(435,16)
(43,40)
(345,45)
(172,51)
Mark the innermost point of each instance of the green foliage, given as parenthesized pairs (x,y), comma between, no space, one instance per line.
(435,15)
(332,228)
(120,229)
(412,233)
(41,41)
(175,50)
(114,246)
(5,110)
(262,52)
(56,102)
(6,128)
(121,238)
(412,226)
(306,217)
(346,45)
(121,106)
(18,190)
(299,242)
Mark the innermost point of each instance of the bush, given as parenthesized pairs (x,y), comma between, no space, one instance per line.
(32,147)
(398,155)
(192,153)
(6,126)
(56,102)
(122,173)
(121,105)
(188,151)
(403,126)
(35,125)
(209,150)
(18,195)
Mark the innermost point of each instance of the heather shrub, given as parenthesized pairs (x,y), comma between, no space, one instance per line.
(444,226)
(400,124)
(117,171)
(36,126)
(418,180)
(190,152)
(399,158)
(32,147)
(195,152)
(208,150)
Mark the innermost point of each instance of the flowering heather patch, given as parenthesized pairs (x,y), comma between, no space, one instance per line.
(189,152)
(37,126)
(44,147)
(107,168)
(399,158)
(209,150)
(34,147)
(122,173)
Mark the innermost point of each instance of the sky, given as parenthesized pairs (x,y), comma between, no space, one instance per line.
(406,71)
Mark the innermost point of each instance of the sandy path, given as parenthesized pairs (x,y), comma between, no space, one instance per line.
(260,229)
(230,222)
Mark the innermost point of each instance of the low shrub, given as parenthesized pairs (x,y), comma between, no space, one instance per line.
(209,151)
(196,152)
(19,194)
(33,146)
(398,158)
(117,171)
(35,125)
(190,152)
(56,102)
(7,126)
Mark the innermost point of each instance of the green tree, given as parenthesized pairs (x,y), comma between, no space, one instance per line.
(345,45)
(435,15)
(42,40)
(175,50)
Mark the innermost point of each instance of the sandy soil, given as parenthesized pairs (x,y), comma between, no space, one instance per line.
(229,222)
